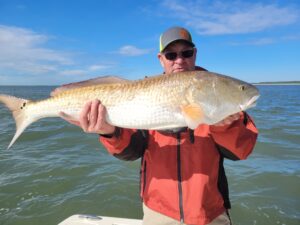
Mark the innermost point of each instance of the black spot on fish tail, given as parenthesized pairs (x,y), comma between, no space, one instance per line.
(23,106)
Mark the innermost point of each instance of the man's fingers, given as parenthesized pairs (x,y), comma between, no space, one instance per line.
(102,126)
(84,116)
(230,119)
(236,116)
(101,115)
(92,118)
(94,113)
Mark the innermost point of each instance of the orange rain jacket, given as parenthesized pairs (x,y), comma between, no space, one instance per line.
(182,173)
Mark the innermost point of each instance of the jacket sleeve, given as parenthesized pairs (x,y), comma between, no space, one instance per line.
(237,140)
(126,144)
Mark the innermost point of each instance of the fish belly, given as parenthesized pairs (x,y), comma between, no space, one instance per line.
(145,116)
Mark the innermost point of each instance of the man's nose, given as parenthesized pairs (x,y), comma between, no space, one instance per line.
(179,59)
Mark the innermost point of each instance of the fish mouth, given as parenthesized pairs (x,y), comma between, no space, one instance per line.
(251,103)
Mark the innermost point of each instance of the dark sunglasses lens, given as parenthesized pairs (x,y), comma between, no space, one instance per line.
(187,53)
(171,55)
(184,54)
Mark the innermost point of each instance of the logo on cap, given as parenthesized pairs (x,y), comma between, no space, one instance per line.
(184,34)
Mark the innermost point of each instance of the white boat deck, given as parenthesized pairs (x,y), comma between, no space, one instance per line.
(81,219)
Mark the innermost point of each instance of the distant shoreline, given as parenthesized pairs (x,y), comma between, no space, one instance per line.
(274,84)
(278,83)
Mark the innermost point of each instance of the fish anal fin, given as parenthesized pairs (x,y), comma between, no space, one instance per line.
(90,82)
(193,115)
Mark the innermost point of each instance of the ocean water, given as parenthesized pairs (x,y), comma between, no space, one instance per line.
(54,170)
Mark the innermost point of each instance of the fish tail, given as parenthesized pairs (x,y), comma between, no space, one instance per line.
(18,108)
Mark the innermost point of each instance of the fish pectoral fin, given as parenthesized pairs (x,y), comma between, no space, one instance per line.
(69,118)
(193,115)
(90,82)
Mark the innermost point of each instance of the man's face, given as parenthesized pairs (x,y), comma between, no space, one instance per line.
(180,63)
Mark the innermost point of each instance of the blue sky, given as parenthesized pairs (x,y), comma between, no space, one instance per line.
(55,42)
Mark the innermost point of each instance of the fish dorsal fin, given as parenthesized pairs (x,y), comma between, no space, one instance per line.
(90,82)
(193,115)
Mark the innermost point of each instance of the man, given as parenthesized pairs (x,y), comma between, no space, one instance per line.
(182,175)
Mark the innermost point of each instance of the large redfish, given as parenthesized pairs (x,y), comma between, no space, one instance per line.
(184,99)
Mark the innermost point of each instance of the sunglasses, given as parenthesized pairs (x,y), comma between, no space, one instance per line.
(184,54)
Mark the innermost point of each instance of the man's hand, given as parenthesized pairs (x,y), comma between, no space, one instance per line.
(92,119)
(228,120)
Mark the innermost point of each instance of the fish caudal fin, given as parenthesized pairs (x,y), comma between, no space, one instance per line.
(18,108)
(193,115)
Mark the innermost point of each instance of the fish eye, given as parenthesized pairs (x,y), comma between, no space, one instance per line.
(242,87)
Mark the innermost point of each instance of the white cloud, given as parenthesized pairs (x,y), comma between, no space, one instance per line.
(98,67)
(73,72)
(293,37)
(129,50)
(86,71)
(267,40)
(215,18)
(260,41)
(22,50)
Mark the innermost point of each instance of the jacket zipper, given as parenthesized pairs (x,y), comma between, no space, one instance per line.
(144,182)
(143,177)
(179,179)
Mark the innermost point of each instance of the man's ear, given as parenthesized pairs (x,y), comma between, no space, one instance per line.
(159,56)
(195,53)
